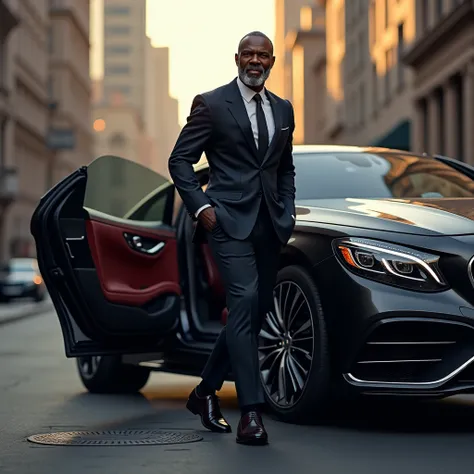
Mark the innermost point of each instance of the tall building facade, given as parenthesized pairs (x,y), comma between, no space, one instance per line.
(44,107)
(287,19)
(369,87)
(397,73)
(125,52)
(69,85)
(307,45)
(300,68)
(166,120)
(134,115)
(442,61)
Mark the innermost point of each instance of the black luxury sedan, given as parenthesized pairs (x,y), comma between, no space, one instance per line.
(375,293)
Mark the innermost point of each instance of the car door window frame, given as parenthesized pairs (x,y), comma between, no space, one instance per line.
(165,191)
(138,213)
(145,191)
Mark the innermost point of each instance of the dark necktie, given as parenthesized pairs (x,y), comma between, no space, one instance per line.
(262,127)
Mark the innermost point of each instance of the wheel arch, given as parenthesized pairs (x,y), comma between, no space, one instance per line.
(293,256)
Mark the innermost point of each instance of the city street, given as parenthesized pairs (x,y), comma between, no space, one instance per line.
(328,158)
(40,393)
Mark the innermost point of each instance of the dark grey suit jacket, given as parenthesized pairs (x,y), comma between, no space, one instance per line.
(219,126)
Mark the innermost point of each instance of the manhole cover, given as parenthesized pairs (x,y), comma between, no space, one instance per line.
(114,438)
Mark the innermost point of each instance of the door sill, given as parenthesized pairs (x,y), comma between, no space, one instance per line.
(212,327)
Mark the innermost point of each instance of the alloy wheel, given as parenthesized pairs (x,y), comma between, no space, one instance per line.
(88,365)
(286,346)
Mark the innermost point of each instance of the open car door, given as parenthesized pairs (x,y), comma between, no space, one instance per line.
(107,252)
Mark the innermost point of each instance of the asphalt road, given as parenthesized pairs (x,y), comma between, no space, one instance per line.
(40,393)
(22,308)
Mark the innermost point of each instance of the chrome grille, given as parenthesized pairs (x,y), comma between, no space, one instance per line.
(470,270)
(413,352)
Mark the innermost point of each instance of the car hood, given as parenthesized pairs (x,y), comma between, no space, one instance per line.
(414,216)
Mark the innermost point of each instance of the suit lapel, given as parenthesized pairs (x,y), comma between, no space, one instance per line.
(278,118)
(237,108)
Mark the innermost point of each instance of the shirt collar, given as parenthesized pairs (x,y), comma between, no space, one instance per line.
(247,93)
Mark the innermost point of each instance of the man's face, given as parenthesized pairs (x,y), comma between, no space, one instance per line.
(254,60)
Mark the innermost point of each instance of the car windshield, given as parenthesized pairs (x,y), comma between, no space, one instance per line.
(377,175)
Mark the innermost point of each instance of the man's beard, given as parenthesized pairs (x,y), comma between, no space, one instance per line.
(251,81)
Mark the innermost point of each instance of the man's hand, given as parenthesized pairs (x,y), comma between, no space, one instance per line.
(207,217)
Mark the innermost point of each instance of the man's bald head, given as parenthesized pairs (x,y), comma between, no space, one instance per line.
(255,34)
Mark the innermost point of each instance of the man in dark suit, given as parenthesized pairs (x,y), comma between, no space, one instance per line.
(247,213)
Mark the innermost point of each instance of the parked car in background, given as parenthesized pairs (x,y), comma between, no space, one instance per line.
(21,278)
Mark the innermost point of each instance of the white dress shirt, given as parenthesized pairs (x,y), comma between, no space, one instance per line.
(251,107)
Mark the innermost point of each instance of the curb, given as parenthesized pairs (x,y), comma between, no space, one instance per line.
(23,313)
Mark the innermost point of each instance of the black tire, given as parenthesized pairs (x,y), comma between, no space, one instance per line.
(107,374)
(312,400)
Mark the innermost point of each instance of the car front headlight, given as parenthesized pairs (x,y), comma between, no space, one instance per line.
(391,264)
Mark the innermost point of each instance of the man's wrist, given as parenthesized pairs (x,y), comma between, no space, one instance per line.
(201,209)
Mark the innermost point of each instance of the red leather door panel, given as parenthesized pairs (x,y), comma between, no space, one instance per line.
(127,276)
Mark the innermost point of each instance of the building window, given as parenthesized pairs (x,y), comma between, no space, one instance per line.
(116,70)
(117,10)
(353,110)
(372,22)
(50,86)
(425,124)
(375,86)
(439,97)
(117,30)
(362,48)
(400,48)
(348,61)
(3,63)
(349,15)
(117,49)
(51,39)
(387,75)
(424,14)
(387,18)
(362,103)
(458,84)
(341,25)
(3,132)
(439,9)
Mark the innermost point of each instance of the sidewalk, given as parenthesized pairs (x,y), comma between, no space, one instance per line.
(15,311)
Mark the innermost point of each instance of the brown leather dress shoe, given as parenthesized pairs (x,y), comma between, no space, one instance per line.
(208,409)
(251,430)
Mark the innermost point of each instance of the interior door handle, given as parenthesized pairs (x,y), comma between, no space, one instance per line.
(146,246)
(154,250)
